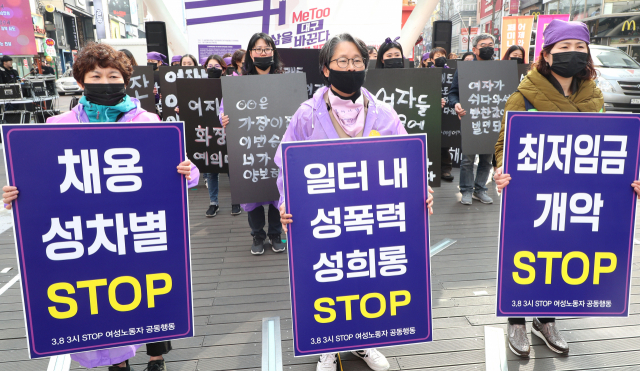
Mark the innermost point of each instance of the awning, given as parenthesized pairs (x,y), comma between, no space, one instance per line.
(80,11)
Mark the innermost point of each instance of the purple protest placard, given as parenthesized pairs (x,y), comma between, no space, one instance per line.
(567,218)
(359,247)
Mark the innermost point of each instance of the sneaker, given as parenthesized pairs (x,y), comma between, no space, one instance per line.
(374,359)
(551,336)
(327,362)
(258,246)
(276,243)
(236,210)
(466,199)
(482,197)
(447,176)
(518,341)
(156,366)
(212,211)
(118,368)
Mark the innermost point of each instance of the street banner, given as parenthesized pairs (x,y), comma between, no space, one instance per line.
(141,87)
(99,16)
(169,76)
(415,94)
(570,171)
(516,30)
(221,26)
(102,234)
(205,136)
(451,138)
(359,247)
(17,29)
(303,61)
(260,108)
(485,87)
(543,22)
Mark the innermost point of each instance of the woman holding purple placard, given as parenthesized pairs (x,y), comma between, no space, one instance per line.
(104,74)
(562,80)
(340,110)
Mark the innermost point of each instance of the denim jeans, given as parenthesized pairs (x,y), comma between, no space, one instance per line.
(256,221)
(467,183)
(212,183)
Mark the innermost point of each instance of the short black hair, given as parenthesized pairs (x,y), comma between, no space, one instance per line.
(249,68)
(386,45)
(326,53)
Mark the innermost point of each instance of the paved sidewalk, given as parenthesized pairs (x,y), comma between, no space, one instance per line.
(234,290)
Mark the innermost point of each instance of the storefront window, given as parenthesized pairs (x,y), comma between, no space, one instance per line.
(578,10)
(551,8)
(593,7)
(612,7)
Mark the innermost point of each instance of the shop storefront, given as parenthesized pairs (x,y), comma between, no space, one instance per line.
(620,31)
(83,19)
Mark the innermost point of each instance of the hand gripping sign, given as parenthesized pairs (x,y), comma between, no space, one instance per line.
(567,218)
(102,234)
(359,246)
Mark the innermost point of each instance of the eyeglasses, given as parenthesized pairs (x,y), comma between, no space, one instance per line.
(266,51)
(344,62)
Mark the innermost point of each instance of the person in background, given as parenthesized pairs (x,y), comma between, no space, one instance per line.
(216,67)
(188,60)
(46,69)
(227,55)
(104,73)
(176,60)
(425,62)
(483,50)
(562,80)
(237,59)
(439,57)
(129,55)
(342,109)
(468,56)
(7,74)
(453,56)
(263,60)
(373,53)
(390,54)
(227,60)
(158,59)
(514,53)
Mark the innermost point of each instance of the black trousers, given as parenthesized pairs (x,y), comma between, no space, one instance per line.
(446,164)
(158,349)
(256,221)
(520,321)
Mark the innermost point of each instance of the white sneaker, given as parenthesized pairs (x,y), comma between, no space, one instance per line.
(374,359)
(327,362)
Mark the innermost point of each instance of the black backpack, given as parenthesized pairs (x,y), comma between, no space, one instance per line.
(74,102)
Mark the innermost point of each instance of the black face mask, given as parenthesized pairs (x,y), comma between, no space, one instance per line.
(486,53)
(346,81)
(441,61)
(214,73)
(568,64)
(429,64)
(105,94)
(519,60)
(393,63)
(263,63)
(154,65)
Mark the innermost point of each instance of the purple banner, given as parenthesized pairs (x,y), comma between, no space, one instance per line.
(204,51)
